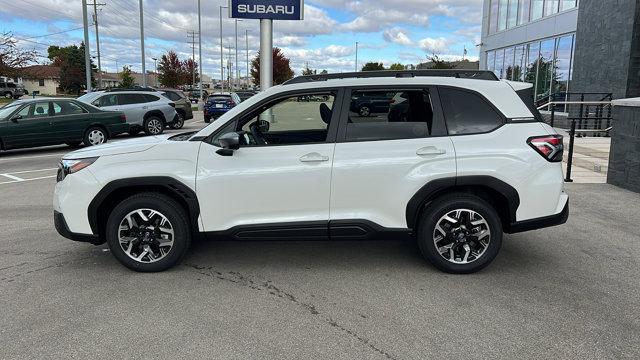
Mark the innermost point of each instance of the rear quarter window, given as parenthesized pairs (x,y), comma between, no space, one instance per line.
(467,112)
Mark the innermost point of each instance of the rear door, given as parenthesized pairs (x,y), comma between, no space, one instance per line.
(380,162)
(134,106)
(69,120)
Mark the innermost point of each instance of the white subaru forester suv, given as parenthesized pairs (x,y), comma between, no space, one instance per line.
(462,160)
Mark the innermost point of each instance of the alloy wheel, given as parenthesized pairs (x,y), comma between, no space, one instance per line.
(364,111)
(146,235)
(461,236)
(154,126)
(96,137)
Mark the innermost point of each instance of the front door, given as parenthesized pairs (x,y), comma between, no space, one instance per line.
(32,126)
(383,159)
(278,183)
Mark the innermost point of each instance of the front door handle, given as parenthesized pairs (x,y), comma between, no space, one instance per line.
(430,151)
(313,157)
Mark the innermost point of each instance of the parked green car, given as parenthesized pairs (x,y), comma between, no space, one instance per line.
(40,122)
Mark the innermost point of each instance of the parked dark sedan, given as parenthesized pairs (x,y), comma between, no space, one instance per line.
(40,122)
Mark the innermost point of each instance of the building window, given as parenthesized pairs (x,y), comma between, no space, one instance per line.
(499,70)
(519,62)
(523,11)
(551,7)
(508,63)
(512,17)
(493,17)
(533,52)
(568,4)
(502,14)
(537,8)
(545,69)
(562,66)
(491,60)
(41,82)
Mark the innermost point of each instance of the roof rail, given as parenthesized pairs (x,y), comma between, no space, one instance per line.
(464,74)
(136,88)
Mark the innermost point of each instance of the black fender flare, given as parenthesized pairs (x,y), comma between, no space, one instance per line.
(437,187)
(117,189)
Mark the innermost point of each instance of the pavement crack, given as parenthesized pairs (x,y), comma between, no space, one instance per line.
(268,286)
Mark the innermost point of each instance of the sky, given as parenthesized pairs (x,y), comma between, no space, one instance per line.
(388,31)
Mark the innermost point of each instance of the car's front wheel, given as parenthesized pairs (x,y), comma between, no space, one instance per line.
(148,232)
(153,125)
(95,136)
(460,233)
(364,110)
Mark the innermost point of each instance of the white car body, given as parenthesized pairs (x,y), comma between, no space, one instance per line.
(369,182)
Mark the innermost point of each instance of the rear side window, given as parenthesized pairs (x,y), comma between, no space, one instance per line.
(151,98)
(173,96)
(128,99)
(467,112)
(389,115)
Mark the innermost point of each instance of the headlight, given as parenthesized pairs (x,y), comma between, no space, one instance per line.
(67,167)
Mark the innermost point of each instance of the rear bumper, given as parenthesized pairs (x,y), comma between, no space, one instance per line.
(539,223)
(63,229)
(118,129)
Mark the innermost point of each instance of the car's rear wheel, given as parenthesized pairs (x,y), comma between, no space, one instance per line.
(95,135)
(364,110)
(8,95)
(153,125)
(460,233)
(179,123)
(148,232)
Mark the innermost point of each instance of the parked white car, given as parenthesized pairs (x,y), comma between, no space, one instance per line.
(468,161)
(147,111)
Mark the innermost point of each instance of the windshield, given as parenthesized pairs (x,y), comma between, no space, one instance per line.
(87,97)
(7,110)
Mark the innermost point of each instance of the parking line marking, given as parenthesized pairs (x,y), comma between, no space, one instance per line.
(25,180)
(15,178)
(18,157)
(30,171)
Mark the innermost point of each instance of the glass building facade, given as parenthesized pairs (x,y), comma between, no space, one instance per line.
(546,63)
(505,14)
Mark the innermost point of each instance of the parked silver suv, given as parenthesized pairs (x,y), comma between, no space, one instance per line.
(11,90)
(146,111)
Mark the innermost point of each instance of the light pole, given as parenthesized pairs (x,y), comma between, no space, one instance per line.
(87,54)
(144,72)
(221,51)
(200,51)
(356,56)
(237,75)
(155,63)
(246,38)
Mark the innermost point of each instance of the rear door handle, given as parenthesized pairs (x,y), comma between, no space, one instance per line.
(313,157)
(430,150)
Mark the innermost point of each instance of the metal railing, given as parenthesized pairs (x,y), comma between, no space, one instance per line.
(591,117)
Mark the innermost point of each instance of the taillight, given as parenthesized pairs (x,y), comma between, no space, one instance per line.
(549,146)
(123,118)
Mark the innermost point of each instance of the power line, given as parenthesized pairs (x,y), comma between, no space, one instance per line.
(55,33)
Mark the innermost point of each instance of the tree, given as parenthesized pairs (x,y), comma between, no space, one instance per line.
(189,68)
(373,66)
(71,61)
(396,66)
(323,72)
(281,68)
(11,57)
(307,71)
(171,71)
(126,80)
(438,63)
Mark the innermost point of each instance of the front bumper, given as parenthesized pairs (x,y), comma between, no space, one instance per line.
(63,229)
(539,223)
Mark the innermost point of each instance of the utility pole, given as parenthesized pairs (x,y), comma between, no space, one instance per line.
(200,51)
(237,74)
(221,51)
(155,64)
(356,56)
(192,34)
(87,54)
(144,72)
(246,38)
(95,22)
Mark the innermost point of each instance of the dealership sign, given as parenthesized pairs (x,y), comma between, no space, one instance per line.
(267,9)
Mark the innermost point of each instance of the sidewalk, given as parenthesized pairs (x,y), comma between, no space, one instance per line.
(590,158)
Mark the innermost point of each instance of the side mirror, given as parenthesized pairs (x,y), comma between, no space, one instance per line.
(15,118)
(229,142)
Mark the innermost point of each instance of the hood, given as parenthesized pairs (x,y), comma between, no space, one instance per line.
(119,147)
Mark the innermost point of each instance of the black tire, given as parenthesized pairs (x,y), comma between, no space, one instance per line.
(16,97)
(8,95)
(364,110)
(153,125)
(134,130)
(179,123)
(166,206)
(207,119)
(95,135)
(73,144)
(444,205)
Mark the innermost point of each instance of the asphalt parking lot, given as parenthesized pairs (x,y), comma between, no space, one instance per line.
(564,292)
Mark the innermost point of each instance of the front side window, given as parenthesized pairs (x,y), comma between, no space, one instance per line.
(467,112)
(35,110)
(290,121)
(389,115)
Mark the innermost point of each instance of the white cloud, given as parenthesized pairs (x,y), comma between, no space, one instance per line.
(396,35)
(435,45)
